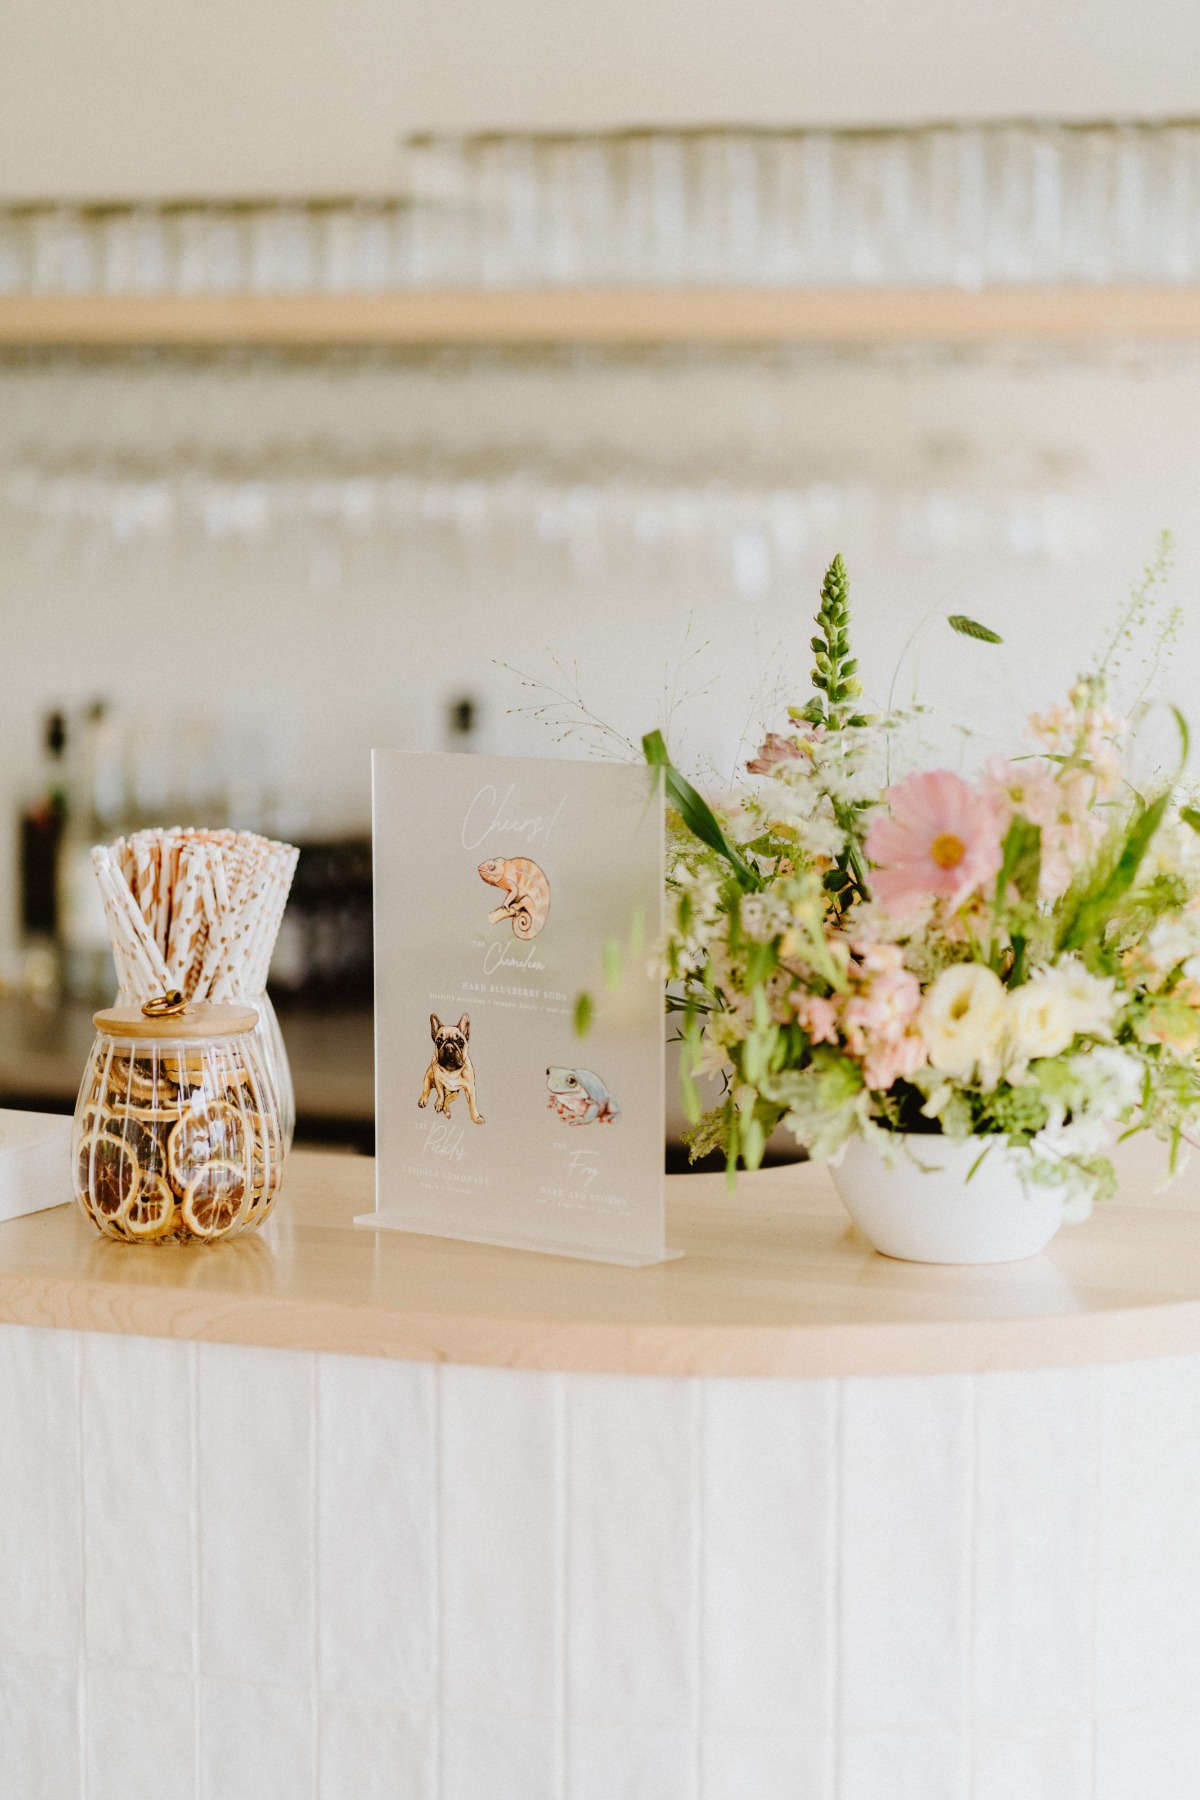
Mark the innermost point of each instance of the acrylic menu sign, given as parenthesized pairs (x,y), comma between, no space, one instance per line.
(499,883)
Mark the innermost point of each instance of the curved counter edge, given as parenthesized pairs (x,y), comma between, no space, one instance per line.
(773,1282)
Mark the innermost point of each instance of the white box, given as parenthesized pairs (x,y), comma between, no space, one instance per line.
(35,1162)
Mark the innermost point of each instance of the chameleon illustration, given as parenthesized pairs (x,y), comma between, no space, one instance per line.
(526,893)
(579,1097)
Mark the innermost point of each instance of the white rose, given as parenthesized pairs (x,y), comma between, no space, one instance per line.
(962,1020)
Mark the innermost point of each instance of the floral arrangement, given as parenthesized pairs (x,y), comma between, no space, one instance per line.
(1015,957)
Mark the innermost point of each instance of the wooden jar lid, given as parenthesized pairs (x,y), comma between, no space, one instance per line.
(199,1019)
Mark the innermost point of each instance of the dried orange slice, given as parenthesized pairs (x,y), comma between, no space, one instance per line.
(133,1080)
(147,1116)
(210,1134)
(151,1211)
(213,1199)
(189,1070)
(145,1139)
(82,1167)
(108,1176)
(93,1117)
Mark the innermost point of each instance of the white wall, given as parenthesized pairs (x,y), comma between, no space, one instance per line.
(214,96)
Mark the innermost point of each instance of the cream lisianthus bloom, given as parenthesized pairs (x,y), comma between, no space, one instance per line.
(1041,1022)
(962,1020)
(1090,998)
(1053,1008)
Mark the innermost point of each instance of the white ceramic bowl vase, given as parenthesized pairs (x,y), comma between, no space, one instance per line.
(923,1208)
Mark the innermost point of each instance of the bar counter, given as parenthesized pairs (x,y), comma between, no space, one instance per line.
(773,1281)
(328,1512)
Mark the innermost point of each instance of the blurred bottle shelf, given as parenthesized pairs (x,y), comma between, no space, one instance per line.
(614,316)
(1033,204)
(739,237)
(44,1050)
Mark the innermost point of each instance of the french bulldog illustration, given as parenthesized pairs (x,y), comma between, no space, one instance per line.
(450,1071)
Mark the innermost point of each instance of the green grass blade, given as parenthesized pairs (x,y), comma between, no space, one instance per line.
(696,813)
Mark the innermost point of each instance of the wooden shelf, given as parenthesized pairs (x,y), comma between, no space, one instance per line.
(620,316)
(773,1281)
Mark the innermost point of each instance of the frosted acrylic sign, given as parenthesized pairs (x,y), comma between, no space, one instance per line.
(499,883)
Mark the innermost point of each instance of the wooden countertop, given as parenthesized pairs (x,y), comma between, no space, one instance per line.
(773,1282)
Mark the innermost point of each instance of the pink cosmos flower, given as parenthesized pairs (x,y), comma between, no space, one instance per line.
(939,840)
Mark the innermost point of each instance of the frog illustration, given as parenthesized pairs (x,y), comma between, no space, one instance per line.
(579,1097)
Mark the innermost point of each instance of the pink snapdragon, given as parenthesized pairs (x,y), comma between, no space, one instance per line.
(819,1017)
(1060,802)
(876,1023)
(893,1058)
(940,839)
(1028,788)
(776,749)
(1085,730)
(875,1018)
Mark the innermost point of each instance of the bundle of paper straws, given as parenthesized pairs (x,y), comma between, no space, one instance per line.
(194,910)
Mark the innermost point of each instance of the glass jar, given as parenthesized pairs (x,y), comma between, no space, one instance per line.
(177,1130)
(274,1051)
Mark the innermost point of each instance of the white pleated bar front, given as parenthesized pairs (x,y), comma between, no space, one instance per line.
(236,1574)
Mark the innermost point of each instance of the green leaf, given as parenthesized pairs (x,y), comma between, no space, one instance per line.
(1094,913)
(973,629)
(1190,816)
(761,962)
(975,1165)
(611,963)
(1017,972)
(754,1142)
(689,1055)
(1184,737)
(696,813)
(1022,862)
(583,1014)
(732,1146)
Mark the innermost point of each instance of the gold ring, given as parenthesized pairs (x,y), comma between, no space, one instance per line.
(164,1006)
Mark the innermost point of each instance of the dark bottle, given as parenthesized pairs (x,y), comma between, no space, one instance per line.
(43,823)
(95,813)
